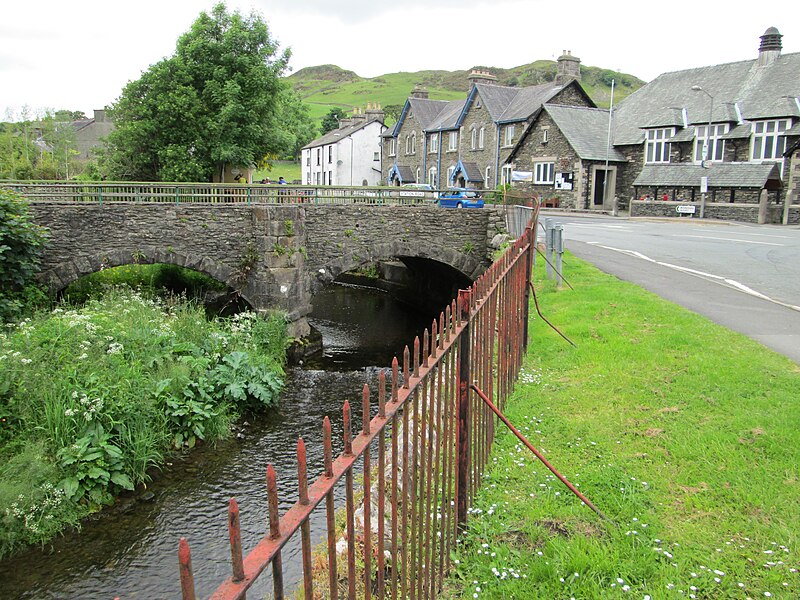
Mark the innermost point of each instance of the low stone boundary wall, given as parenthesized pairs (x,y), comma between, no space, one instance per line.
(745,213)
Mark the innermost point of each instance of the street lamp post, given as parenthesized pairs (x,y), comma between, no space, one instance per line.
(706,143)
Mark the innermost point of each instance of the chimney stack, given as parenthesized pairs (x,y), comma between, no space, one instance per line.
(481,76)
(419,92)
(569,68)
(374,112)
(770,48)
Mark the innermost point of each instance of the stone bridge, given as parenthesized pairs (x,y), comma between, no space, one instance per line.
(276,257)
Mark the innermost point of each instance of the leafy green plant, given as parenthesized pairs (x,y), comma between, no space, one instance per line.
(238,379)
(21,242)
(468,248)
(288,226)
(189,413)
(95,466)
(279,249)
(348,233)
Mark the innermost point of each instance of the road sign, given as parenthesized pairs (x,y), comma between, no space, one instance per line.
(687,209)
(704,185)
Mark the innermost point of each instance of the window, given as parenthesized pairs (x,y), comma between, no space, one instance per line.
(330,177)
(376,156)
(433,145)
(452,141)
(487,178)
(432,176)
(716,149)
(414,143)
(319,156)
(505,174)
(545,133)
(473,139)
(450,171)
(768,141)
(323,178)
(543,173)
(308,159)
(392,149)
(656,146)
(416,176)
(480,137)
(508,138)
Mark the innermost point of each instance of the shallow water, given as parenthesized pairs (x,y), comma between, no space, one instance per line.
(133,554)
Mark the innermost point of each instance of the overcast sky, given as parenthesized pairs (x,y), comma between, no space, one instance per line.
(78,55)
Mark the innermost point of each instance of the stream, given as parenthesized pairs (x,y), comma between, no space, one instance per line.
(130,552)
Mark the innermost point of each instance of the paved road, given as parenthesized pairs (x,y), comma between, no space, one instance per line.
(742,276)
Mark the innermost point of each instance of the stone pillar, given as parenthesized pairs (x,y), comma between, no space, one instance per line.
(763,202)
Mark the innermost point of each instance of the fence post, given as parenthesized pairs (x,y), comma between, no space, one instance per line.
(548,240)
(558,246)
(462,424)
(530,257)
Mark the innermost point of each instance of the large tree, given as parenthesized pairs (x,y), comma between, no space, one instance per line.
(217,101)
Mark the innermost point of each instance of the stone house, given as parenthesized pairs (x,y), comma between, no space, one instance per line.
(733,116)
(465,143)
(349,155)
(90,133)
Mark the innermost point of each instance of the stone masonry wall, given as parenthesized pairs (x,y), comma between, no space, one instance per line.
(272,254)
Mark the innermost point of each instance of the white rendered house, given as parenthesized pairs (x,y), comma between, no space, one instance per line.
(349,155)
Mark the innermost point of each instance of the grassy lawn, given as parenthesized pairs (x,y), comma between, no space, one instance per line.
(684,433)
(289,170)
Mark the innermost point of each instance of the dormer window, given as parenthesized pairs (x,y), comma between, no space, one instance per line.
(656,145)
(716,146)
(768,140)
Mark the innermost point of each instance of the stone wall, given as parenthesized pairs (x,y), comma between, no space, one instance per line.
(275,255)
(743,213)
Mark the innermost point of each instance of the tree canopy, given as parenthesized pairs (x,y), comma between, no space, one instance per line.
(217,101)
(331,120)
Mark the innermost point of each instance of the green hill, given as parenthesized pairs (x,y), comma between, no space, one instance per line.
(327,86)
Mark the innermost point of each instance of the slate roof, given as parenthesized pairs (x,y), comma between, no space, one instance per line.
(684,135)
(404,172)
(472,172)
(448,117)
(720,175)
(338,134)
(740,132)
(586,130)
(425,112)
(760,92)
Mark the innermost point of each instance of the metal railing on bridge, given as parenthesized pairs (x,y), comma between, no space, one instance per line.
(209,193)
(420,458)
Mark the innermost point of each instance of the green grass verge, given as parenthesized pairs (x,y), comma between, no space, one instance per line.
(289,170)
(683,432)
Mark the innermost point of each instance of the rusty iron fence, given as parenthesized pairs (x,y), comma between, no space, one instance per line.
(411,473)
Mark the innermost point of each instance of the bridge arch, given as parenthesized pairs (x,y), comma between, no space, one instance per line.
(66,272)
(465,264)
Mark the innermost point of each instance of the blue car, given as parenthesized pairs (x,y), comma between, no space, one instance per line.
(460,198)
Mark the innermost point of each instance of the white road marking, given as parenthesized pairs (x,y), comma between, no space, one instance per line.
(708,237)
(722,280)
(769,235)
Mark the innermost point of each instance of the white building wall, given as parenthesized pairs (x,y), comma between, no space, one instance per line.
(353,159)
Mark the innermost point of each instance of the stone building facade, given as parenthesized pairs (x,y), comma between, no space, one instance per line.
(466,143)
(735,115)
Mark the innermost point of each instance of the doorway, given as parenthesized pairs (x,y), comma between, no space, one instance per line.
(603,187)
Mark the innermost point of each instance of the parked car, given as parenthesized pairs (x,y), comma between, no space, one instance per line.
(418,191)
(460,198)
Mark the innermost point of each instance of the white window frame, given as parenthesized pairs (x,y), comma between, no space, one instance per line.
(766,141)
(508,135)
(473,139)
(433,145)
(392,150)
(656,146)
(450,171)
(481,137)
(716,150)
(452,141)
(487,178)
(544,173)
(416,176)
(319,156)
(330,154)
(505,174)
(414,142)
(432,176)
